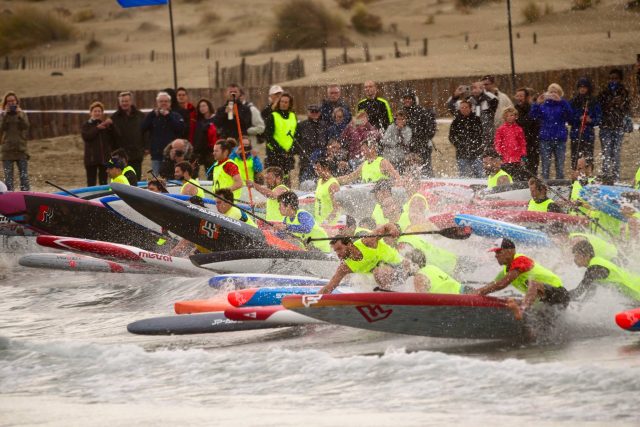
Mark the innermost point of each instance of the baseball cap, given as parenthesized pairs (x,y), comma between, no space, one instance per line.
(313,107)
(275,89)
(114,162)
(503,244)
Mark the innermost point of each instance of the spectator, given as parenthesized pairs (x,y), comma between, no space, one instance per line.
(615,103)
(14,130)
(586,114)
(531,128)
(254,164)
(179,150)
(310,141)
(511,144)
(204,137)
(275,92)
(127,131)
(338,124)
(422,122)
(188,113)
(127,171)
(338,159)
(225,118)
(358,131)
(377,108)
(553,112)
(257,122)
(396,142)
(503,99)
(97,135)
(280,132)
(327,110)
(466,135)
(164,127)
(175,105)
(484,105)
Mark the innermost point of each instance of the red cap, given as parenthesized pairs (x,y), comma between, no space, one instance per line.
(503,244)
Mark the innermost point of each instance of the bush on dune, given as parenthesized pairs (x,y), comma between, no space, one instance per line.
(27,28)
(365,22)
(305,24)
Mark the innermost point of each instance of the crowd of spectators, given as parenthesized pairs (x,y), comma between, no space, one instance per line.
(526,130)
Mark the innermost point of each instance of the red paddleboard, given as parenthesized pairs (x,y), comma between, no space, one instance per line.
(629,320)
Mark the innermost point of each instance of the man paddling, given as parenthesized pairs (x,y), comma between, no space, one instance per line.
(374,168)
(539,201)
(300,223)
(224,205)
(602,271)
(536,282)
(274,187)
(492,164)
(428,277)
(190,186)
(326,208)
(370,256)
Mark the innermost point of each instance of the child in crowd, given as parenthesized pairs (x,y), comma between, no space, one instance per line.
(510,143)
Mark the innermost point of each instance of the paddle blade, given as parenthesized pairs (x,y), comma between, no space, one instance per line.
(456,233)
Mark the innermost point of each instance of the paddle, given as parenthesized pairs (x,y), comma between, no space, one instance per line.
(62,189)
(244,155)
(455,233)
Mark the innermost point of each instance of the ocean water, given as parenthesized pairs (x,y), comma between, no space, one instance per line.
(67,359)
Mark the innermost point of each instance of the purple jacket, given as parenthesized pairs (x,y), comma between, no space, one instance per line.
(552,116)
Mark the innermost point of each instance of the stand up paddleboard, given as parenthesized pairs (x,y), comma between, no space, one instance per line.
(274,314)
(195,324)
(606,198)
(629,320)
(202,226)
(486,227)
(67,216)
(268,261)
(256,280)
(433,315)
(125,253)
(522,218)
(74,262)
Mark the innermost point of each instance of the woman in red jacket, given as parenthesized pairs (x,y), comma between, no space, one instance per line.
(511,145)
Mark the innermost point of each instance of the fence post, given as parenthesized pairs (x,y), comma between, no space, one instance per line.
(243,65)
(78,61)
(217,74)
(408,40)
(270,71)
(324,59)
(609,34)
(466,37)
(152,56)
(207,53)
(425,46)
(535,38)
(367,54)
(345,57)
(6,62)
(397,50)
(23,63)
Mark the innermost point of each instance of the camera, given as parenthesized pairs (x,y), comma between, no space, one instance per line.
(13,109)
(179,153)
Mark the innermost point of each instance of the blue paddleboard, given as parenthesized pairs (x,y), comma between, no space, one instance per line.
(487,227)
(256,280)
(606,198)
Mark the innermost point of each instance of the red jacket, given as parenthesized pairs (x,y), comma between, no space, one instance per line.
(510,143)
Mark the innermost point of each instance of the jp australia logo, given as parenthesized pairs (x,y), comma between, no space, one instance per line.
(209,229)
(153,255)
(374,313)
(45,214)
(309,300)
(214,214)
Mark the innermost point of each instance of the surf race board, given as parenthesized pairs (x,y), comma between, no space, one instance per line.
(209,305)
(67,216)
(493,228)
(256,280)
(274,261)
(194,324)
(274,314)
(120,252)
(523,218)
(607,198)
(433,315)
(202,226)
(75,262)
(629,320)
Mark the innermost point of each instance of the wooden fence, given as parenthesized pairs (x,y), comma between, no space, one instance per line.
(258,75)
(42,62)
(432,92)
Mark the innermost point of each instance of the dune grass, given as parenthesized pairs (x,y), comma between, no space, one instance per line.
(27,28)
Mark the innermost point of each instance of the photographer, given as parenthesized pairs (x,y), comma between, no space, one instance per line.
(164,126)
(14,128)
(178,151)
(97,135)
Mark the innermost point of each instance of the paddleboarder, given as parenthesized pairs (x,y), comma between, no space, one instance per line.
(191,186)
(492,164)
(601,271)
(539,201)
(428,277)
(273,188)
(114,169)
(326,208)
(415,210)
(374,168)
(225,172)
(536,282)
(223,205)
(370,256)
(300,223)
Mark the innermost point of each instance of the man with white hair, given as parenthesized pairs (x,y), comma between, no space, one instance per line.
(334,100)
(163,126)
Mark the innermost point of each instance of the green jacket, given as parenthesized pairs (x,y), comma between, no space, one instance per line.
(14,130)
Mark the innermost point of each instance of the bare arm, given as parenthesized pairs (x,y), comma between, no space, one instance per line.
(388,228)
(333,189)
(421,283)
(387,167)
(353,176)
(497,285)
(342,271)
(237,182)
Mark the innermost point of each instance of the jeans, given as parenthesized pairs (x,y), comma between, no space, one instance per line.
(22,170)
(557,149)
(470,168)
(155,166)
(611,140)
(586,151)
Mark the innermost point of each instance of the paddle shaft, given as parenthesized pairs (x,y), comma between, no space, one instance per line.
(451,232)
(164,187)
(244,155)
(62,189)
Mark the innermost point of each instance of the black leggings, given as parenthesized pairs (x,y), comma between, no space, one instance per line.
(96,171)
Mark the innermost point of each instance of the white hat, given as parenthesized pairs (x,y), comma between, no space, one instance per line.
(275,89)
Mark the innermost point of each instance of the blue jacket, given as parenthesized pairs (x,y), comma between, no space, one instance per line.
(163,130)
(552,115)
(594,111)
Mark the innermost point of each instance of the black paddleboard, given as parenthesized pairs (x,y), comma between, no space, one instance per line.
(202,226)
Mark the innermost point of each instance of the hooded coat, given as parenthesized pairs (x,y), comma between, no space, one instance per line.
(593,110)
